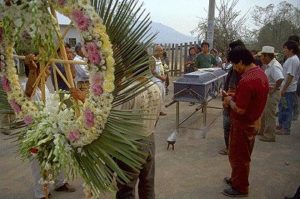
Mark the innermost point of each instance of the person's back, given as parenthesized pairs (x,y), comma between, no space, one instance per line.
(148,102)
(256,89)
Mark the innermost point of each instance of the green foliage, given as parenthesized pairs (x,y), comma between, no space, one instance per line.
(276,24)
(127,27)
(229,25)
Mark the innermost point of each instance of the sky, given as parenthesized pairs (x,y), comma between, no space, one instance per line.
(183,15)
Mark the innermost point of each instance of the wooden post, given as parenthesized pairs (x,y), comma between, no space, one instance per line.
(180,58)
(173,55)
(63,52)
(176,60)
(185,52)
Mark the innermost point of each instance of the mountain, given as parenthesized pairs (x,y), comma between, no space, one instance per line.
(167,34)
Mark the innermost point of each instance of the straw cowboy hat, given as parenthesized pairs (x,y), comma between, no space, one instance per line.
(267,49)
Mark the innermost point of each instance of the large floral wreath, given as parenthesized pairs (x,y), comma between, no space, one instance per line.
(56,135)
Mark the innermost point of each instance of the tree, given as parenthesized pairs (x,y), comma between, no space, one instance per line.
(275,25)
(229,25)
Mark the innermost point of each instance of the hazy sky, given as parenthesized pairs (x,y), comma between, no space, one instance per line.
(183,15)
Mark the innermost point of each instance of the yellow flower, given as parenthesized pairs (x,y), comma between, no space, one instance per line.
(110,77)
(108,86)
(110,62)
(67,10)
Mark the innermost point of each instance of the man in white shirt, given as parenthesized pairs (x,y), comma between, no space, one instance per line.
(291,69)
(32,72)
(82,73)
(275,77)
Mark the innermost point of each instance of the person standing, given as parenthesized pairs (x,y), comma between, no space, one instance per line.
(297,96)
(157,71)
(148,101)
(246,108)
(205,59)
(274,73)
(189,65)
(165,62)
(82,73)
(230,85)
(32,72)
(291,69)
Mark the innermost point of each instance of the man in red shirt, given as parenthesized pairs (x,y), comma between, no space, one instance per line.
(247,106)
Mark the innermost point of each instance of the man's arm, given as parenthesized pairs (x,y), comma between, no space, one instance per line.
(32,76)
(229,102)
(288,82)
(277,86)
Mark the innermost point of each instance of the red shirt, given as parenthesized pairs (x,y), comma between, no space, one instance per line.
(251,95)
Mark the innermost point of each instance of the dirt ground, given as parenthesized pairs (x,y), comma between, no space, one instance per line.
(194,170)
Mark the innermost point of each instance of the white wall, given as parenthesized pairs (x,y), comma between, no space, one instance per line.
(72,33)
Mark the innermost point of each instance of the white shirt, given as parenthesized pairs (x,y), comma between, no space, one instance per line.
(82,73)
(274,72)
(291,67)
(158,69)
(37,97)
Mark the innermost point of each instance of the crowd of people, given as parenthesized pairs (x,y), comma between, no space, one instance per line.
(266,84)
(260,96)
(254,95)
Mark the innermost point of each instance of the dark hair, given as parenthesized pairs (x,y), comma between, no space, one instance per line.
(237,44)
(292,45)
(204,43)
(164,54)
(78,47)
(191,48)
(270,55)
(197,47)
(67,45)
(241,54)
(294,38)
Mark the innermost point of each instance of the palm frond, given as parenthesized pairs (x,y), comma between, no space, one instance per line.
(128,27)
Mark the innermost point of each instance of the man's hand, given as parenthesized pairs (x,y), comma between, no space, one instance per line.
(78,94)
(29,61)
(226,101)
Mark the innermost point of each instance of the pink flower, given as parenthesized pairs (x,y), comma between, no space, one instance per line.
(97,89)
(61,2)
(97,78)
(81,20)
(5,84)
(91,47)
(28,119)
(77,14)
(89,118)
(74,135)
(94,58)
(16,107)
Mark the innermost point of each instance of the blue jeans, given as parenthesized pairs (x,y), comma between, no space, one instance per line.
(285,107)
(226,125)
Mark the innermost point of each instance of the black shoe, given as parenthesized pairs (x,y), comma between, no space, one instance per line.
(227,180)
(288,197)
(234,193)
